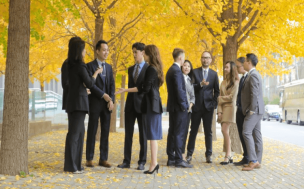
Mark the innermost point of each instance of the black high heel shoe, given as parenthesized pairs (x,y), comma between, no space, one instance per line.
(155,169)
(230,160)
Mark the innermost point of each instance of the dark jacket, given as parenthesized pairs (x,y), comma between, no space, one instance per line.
(65,83)
(150,89)
(134,100)
(95,97)
(77,96)
(205,95)
(177,95)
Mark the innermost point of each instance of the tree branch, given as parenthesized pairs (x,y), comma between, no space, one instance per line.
(90,7)
(245,28)
(84,22)
(247,33)
(112,4)
(248,10)
(126,28)
(240,19)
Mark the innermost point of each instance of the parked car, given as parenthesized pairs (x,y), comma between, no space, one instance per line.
(272,112)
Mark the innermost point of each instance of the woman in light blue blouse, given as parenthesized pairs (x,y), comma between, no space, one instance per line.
(188,76)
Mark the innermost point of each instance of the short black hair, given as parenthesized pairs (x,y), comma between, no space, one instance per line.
(177,52)
(241,59)
(139,46)
(252,58)
(98,44)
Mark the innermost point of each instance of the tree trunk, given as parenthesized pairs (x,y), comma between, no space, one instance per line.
(99,21)
(122,103)
(229,51)
(14,144)
(42,88)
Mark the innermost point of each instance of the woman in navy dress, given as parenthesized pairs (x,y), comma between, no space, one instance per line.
(151,105)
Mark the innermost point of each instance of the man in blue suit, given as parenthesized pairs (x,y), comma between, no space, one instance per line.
(177,107)
(101,104)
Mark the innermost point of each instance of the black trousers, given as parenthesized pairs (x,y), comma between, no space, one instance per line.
(186,134)
(176,134)
(74,141)
(196,117)
(130,118)
(239,122)
(105,118)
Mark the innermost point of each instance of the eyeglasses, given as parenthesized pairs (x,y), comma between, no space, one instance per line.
(206,58)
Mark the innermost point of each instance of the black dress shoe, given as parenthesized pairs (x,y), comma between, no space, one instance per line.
(183,164)
(189,159)
(141,167)
(242,162)
(171,163)
(208,159)
(124,165)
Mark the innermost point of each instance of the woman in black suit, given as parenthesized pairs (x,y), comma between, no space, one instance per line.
(77,105)
(151,106)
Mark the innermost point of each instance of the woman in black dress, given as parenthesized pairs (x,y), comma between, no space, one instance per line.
(151,105)
(77,105)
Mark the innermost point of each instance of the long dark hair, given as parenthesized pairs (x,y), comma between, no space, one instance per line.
(190,74)
(154,60)
(232,76)
(75,52)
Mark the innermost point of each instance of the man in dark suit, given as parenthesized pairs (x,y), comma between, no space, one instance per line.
(177,106)
(136,75)
(239,113)
(206,87)
(101,104)
(65,77)
(253,110)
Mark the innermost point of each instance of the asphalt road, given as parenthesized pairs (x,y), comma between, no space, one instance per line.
(290,133)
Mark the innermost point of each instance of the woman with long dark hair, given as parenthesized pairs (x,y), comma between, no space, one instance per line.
(77,105)
(226,110)
(151,105)
(187,70)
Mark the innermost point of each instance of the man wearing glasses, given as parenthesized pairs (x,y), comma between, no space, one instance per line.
(206,88)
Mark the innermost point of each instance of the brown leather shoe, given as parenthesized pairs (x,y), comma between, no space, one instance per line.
(252,166)
(258,167)
(89,163)
(104,164)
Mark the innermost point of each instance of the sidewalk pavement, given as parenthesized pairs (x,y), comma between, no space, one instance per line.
(282,167)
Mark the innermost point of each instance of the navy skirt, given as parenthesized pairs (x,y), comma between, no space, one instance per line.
(152,123)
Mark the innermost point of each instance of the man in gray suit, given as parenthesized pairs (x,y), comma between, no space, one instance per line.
(253,109)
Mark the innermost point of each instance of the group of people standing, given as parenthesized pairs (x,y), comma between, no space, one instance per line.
(193,94)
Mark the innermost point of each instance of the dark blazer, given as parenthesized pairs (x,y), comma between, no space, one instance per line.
(177,95)
(206,95)
(77,96)
(133,102)
(65,83)
(150,89)
(96,91)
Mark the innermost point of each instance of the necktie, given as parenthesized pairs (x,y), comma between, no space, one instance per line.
(242,80)
(205,75)
(136,73)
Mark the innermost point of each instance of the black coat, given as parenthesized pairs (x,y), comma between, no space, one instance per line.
(134,100)
(65,83)
(150,89)
(205,95)
(95,97)
(177,95)
(77,96)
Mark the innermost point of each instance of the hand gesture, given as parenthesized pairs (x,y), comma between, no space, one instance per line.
(88,91)
(219,117)
(204,83)
(106,97)
(110,105)
(99,70)
(120,90)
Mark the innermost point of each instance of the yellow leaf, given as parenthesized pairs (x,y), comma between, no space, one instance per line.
(17,177)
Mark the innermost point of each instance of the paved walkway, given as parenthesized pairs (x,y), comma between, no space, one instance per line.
(282,168)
